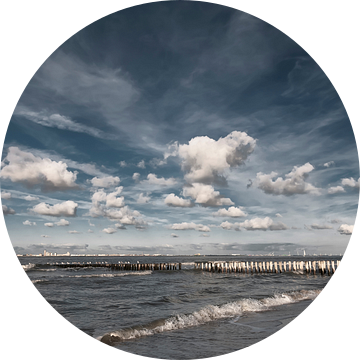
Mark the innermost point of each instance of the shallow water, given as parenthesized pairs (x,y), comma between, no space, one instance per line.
(183,314)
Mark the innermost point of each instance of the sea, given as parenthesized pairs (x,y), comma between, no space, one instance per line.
(175,314)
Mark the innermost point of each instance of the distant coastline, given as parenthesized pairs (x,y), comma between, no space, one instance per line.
(173,255)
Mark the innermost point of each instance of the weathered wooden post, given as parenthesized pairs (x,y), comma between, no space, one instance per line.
(276,267)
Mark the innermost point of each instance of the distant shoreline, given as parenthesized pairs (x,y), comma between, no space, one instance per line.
(172,255)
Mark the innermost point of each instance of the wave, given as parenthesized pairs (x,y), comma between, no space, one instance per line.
(147,272)
(28,266)
(207,314)
(38,281)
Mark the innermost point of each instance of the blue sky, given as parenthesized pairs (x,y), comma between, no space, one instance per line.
(180,128)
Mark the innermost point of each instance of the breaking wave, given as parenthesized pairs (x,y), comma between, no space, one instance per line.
(207,314)
(147,272)
(28,266)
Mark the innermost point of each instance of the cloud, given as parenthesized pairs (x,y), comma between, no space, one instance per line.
(152,179)
(67,208)
(30,198)
(294,182)
(30,170)
(143,199)
(226,225)
(141,164)
(62,222)
(255,224)
(155,162)
(109,230)
(60,122)
(278,215)
(90,223)
(175,201)
(205,195)
(45,236)
(328,164)
(263,224)
(123,163)
(190,226)
(111,199)
(90,231)
(8,210)
(74,232)
(350,182)
(136,177)
(49,224)
(205,160)
(124,215)
(105,182)
(232,211)
(320,227)
(174,235)
(336,189)
(345,229)
(29,223)
(5,195)
(204,235)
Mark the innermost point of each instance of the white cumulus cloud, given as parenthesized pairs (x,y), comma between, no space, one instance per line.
(176,201)
(67,208)
(62,222)
(205,195)
(5,195)
(351,182)
(30,198)
(8,210)
(189,226)
(345,229)
(255,224)
(29,223)
(30,170)
(152,179)
(49,224)
(111,199)
(109,230)
(232,211)
(205,160)
(143,199)
(294,182)
(336,189)
(105,182)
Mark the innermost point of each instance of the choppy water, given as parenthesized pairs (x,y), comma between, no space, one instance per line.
(183,314)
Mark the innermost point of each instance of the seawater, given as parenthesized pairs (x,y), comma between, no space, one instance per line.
(187,314)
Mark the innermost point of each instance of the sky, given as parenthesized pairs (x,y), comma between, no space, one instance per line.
(180,128)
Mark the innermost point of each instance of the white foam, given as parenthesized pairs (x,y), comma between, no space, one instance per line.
(28,266)
(111,275)
(37,281)
(211,313)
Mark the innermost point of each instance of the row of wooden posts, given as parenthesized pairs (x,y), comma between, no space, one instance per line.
(320,266)
(124,266)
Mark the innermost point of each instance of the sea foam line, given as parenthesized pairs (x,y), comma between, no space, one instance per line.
(140,273)
(207,314)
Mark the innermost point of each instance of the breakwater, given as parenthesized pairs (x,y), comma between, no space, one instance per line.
(250,267)
(247,267)
(122,266)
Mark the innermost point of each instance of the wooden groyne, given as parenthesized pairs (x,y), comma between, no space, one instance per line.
(122,266)
(250,267)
